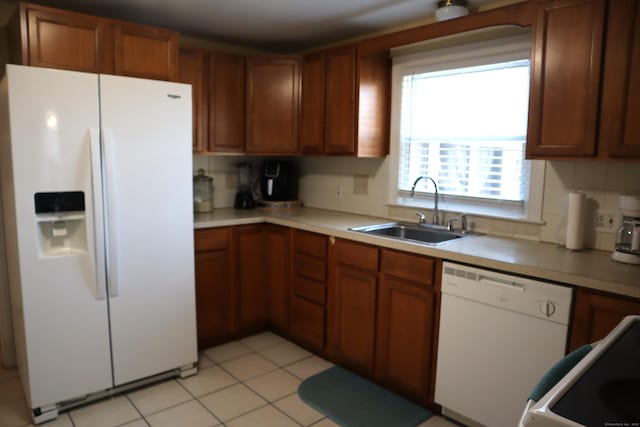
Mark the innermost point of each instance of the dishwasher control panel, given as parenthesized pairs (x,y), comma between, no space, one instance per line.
(527,296)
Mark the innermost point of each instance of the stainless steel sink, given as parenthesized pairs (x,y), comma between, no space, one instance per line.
(413,232)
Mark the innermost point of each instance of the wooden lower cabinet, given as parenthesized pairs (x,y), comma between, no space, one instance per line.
(261,254)
(595,314)
(307,296)
(251,292)
(352,304)
(213,286)
(277,253)
(406,319)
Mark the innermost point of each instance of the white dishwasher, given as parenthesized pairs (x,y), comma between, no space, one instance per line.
(498,335)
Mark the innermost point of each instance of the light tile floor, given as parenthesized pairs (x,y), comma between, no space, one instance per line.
(247,383)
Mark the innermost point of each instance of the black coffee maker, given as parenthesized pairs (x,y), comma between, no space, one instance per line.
(244,198)
(278,180)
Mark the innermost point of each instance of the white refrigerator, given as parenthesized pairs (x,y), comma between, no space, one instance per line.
(97,208)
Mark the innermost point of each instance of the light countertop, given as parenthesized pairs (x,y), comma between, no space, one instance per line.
(592,269)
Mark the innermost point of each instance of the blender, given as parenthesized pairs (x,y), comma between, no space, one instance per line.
(628,242)
(244,198)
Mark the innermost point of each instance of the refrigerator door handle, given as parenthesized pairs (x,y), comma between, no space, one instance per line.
(98,221)
(111,228)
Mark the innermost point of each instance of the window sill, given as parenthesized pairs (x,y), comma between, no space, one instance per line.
(506,213)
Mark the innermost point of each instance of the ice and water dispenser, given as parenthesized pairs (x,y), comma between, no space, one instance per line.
(61,221)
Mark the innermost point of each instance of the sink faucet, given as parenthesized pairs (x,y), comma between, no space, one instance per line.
(436,217)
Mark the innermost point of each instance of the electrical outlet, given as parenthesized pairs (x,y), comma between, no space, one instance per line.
(339,192)
(606,222)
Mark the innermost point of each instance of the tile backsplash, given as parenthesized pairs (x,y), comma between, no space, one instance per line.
(224,171)
(361,186)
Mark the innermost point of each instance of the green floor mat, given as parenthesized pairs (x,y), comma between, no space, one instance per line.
(352,401)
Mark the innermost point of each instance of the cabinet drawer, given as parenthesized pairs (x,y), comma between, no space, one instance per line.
(306,322)
(211,239)
(410,267)
(310,267)
(311,244)
(310,289)
(357,255)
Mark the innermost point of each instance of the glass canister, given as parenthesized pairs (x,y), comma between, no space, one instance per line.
(202,192)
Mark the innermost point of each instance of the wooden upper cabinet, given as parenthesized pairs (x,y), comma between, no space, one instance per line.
(48,37)
(192,70)
(273,100)
(313,105)
(620,128)
(341,100)
(226,81)
(345,103)
(565,78)
(143,51)
(58,39)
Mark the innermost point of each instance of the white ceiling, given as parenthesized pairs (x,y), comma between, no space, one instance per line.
(279,25)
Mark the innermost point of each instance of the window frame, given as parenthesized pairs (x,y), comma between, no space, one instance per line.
(461,55)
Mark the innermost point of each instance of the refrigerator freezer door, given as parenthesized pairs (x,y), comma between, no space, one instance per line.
(148,186)
(63,337)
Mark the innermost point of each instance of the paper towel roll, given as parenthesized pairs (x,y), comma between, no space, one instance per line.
(574,239)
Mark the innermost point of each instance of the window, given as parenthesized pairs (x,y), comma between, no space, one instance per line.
(460,117)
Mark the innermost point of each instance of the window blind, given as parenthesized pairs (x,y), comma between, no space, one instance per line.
(466,128)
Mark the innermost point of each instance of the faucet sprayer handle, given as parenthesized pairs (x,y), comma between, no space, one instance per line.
(450,223)
(422,217)
(463,223)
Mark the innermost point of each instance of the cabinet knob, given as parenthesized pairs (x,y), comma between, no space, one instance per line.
(332,240)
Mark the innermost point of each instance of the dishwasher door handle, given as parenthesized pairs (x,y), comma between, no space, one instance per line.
(514,286)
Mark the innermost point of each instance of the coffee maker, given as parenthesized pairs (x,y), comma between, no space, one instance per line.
(628,242)
(278,180)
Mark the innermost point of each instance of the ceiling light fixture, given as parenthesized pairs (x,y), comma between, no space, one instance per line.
(449,9)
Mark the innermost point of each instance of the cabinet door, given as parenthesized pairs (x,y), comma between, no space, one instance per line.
(226,103)
(307,296)
(374,89)
(192,70)
(565,79)
(620,127)
(307,323)
(147,52)
(404,336)
(250,285)
(340,136)
(352,304)
(213,286)
(273,93)
(313,107)
(213,298)
(60,39)
(278,253)
(595,315)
